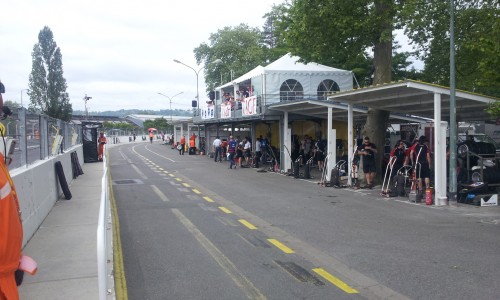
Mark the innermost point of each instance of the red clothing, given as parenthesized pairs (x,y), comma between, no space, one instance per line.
(192,141)
(11,233)
(183,141)
(100,150)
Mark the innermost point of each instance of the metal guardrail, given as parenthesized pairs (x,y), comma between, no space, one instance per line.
(38,137)
(104,238)
(263,101)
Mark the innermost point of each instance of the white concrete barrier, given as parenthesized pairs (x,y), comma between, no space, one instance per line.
(38,188)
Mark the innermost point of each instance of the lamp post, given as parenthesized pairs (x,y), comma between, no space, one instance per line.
(217,61)
(22,96)
(86,99)
(170,100)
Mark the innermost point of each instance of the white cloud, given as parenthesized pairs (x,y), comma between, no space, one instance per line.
(120,53)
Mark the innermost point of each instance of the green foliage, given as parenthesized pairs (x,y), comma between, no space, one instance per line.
(275,24)
(118,125)
(338,33)
(239,48)
(477,42)
(494,109)
(161,124)
(47,86)
(12,105)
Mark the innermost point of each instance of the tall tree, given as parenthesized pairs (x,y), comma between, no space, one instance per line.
(339,33)
(275,23)
(239,48)
(47,86)
(477,41)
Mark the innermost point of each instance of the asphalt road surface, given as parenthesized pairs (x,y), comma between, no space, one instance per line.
(193,229)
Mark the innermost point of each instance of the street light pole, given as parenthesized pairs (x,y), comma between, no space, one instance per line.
(22,96)
(197,73)
(170,100)
(86,99)
(217,61)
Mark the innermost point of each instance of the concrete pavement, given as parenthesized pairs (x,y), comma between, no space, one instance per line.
(65,244)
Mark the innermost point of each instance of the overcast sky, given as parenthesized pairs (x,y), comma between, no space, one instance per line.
(120,53)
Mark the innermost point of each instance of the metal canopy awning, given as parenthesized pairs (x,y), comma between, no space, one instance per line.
(417,99)
(408,100)
(319,109)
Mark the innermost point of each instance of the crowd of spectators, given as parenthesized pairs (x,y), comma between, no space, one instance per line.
(228,98)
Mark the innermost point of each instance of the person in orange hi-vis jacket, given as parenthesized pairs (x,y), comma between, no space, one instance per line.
(192,143)
(102,141)
(11,230)
(183,144)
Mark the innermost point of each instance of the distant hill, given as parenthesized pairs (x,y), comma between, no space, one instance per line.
(126,112)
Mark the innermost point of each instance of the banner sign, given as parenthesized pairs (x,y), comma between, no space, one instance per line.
(249,106)
(208,112)
(225,110)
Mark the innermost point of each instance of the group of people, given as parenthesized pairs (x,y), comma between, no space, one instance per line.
(235,151)
(181,146)
(312,149)
(417,155)
(228,98)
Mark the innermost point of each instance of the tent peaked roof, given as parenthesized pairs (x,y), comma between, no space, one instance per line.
(259,70)
(291,63)
(286,64)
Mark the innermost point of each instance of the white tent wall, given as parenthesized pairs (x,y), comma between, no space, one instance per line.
(310,82)
(268,80)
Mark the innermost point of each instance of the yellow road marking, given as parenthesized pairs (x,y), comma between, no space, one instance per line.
(335,281)
(118,266)
(178,179)
(247,224)
(281,246)
(239,279)
(166,172)
(227,211)
(171,175)
(196,191)
(186,184)
(208,199)
(161,169)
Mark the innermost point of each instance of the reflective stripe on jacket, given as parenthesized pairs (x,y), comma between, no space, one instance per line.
(11,230)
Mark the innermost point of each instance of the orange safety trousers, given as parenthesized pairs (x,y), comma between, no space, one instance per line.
(100,148)
(11,234)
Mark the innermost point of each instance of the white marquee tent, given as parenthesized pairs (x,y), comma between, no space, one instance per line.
(268,80)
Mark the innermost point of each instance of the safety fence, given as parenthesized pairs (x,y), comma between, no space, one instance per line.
(105,238)
(33,137)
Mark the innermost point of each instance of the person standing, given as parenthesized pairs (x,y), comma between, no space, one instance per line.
(258,152)
(151,136)
(247,148)
(368,151)
(421,159)
(231,149)
(399,154)
(223,147)
(183,144)
(217,149)
(192,144)
(320,150)
(102,140)
(11,229)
